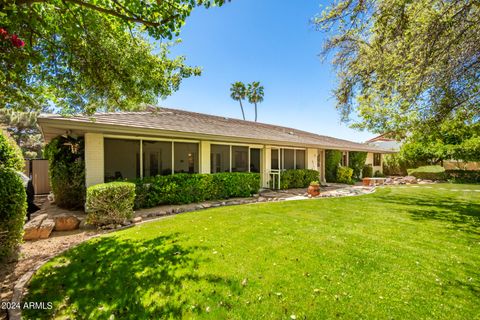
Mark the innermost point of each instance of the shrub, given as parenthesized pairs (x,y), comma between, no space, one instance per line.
(356,161)
(297,178)
(378,174)
(109,203)
(367,171)
(344,175)
(13,208)
(428,172)
(463,176)
(189,188)
(10,153)
(394,165)
(332,162)
(67,171)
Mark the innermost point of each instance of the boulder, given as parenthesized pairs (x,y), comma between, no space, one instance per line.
(137,219)
(39,227)
(65,222)
(46,228)
(31,228)
(85,225)
(410,179)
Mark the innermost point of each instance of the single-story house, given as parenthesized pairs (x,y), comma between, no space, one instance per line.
(385,141)
(167,141)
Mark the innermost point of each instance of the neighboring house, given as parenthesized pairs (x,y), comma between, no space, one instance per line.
(385,141)
(166,141)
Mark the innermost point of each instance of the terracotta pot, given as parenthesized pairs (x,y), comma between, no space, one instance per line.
(313,190)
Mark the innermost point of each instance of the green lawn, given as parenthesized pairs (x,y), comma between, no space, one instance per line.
(401,253)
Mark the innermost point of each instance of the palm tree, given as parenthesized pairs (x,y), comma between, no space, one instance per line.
(238,92)
(255,94)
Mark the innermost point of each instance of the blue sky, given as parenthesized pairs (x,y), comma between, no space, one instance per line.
(268,41)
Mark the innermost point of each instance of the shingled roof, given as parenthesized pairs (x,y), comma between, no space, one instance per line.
(180,121)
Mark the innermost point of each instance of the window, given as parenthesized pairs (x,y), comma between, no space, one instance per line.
(377,159)
(275,160)
(219,158)
(185,157)
(344,159)
(122,159)
(254,160)
(239,159)
(300,159)
(157,158)
(288,159)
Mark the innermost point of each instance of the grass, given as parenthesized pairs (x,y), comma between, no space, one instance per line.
(401,253)
(427,169)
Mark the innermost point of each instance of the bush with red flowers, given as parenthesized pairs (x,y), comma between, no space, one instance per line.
(14,39)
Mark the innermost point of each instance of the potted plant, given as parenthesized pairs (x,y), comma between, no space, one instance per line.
(314,188)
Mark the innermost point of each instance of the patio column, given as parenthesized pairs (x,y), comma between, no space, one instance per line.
(94,159)
(266,166)
(322,166)
(312,159)
(204,157)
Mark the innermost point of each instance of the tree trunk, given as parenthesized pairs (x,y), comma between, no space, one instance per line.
(241,106)
(255,112)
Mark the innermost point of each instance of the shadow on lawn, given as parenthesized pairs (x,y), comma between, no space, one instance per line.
(461,214)
(127,278)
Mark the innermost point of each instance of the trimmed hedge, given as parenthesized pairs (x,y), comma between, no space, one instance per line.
(10,153)
(332,162)
(67,171)
(344,175)
(463,176)
(109,203)
(428,173)
(189,188)
(13,208)
(298,178)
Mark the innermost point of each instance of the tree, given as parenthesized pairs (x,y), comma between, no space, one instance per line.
(455,139)
(404,65)
(238,92)
(255,94)
(23,128)
(85,55)
(356,161)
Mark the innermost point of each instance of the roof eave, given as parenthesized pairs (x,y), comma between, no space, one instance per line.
(69,125)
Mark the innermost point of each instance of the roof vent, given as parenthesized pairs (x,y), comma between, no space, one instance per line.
(291,133)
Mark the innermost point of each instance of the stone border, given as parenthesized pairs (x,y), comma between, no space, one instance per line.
(19,287)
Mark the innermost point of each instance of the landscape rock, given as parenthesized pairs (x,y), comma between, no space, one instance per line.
(32,227)
(410,179)
(137,219)
(65,222)
(46,228)
(85,226)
